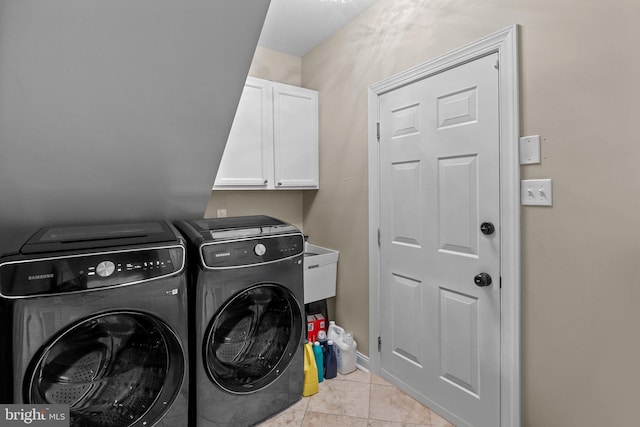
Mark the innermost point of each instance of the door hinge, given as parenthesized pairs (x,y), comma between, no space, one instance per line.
(500,282)
(379,344)
(378,237)
(497,66)
(378,131)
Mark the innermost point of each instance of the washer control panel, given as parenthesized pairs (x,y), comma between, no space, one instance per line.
(89,271)
(245,252)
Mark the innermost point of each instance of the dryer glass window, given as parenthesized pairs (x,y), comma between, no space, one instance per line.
(115,369)
(253,338)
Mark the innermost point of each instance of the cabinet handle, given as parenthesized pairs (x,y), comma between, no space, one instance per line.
(266,181)
(279,184)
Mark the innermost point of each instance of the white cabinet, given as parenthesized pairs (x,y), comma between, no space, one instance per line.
(247,161)
(273,142)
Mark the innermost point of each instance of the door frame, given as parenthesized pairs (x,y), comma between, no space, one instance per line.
(505,43)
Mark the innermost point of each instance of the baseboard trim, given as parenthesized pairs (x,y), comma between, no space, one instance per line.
(363,362)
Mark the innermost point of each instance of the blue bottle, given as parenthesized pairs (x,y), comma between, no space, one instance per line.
(331,362)
(322,339)
(317,353)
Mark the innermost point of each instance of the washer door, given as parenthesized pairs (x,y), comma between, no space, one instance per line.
(113,369)
(252,338)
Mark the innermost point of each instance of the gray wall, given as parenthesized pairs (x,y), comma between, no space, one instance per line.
(116,110)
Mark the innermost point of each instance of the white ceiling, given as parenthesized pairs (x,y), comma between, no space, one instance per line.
(297,26)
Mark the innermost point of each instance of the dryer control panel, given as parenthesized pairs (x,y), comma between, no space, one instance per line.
(84,272)
(255,251)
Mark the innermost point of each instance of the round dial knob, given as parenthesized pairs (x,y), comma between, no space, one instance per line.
(260,249)
(105,269)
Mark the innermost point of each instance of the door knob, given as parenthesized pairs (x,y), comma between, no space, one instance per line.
(482,280)
(487,228)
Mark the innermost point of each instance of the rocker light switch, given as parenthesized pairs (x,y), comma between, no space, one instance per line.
(536,192)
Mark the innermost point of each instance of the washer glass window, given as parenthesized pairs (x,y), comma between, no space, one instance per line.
(253,338)
(114,369)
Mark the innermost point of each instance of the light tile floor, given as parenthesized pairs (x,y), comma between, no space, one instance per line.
(360,399)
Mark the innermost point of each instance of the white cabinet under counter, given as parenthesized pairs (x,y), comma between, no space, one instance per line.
(273,143)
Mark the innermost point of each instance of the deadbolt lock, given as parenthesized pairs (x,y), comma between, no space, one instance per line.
(482,280)
(487,228)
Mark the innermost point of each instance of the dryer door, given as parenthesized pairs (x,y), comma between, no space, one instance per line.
(252,338)
(114,369)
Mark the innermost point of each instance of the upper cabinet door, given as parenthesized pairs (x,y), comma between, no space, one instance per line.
(247,161)
(295,119)
(273,143)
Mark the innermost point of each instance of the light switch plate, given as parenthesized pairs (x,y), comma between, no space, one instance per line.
(536,192)
(530,150)
(221,213)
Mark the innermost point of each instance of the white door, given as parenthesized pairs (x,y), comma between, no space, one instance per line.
(439,182)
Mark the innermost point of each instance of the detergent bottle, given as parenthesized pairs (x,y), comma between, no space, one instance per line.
(317,353)
(331,362)
(334,331)
(310,386)
(346,352)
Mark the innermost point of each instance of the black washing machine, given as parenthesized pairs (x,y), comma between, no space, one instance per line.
(96,318)
(247,318)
